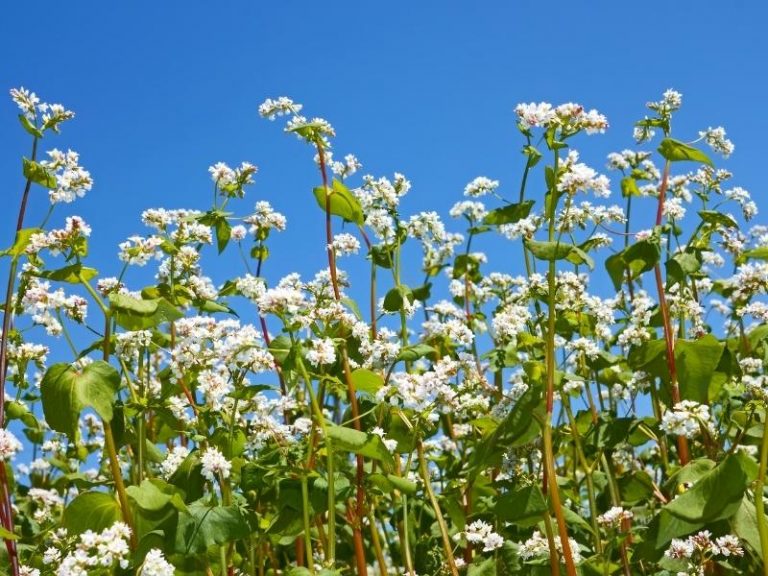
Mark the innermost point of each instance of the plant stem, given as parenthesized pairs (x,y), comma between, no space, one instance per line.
(762,527)
(669,337)
(550,473)
(307,525)
(447,547)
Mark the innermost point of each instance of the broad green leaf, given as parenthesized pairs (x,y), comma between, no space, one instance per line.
(38,174)
(154,495)
(524,506)
(680,266)
(482,567)
(718,218)
(67,391)
(629,187)
(676,151)
(760,253)
(135,314)
(396,298)
(696,362)
(6,534)
(20,243)
(367,381)
(91,511)
(559,251)
(203,526)
(509,214)
(71,274)
(369,445)
(414,352)
(728,482)
(342,202)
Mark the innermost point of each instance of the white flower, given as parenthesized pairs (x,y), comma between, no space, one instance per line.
(9,445)
(686,419)
(614,517)
(173,459)
(345,244)
(716,139)
(537,546)
(480,186)
(155,564)
(322,352)
(278,107)
(480,532)
(214,463)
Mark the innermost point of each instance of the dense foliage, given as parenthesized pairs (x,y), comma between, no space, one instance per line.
(520,425)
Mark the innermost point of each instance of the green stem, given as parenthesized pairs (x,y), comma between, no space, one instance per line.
(307,525)
(447,546)
(762,527)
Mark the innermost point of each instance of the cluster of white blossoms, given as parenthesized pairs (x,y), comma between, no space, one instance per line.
(578,177)
(345,244)
(344,169)
(173,459)
(571,117)
(215,464)
(106,549)
(481,186)
(479,532)
(9,445)
(41,115)
(699,549)
(474,211)
(72,180)
(138,250)
(60,240)
(44,306)
(537,547)
(278,107)
(687,419)
(389,443)
(716,139)
(231,181)
(429,393)
(47,503)
(155,564)
(322,352)
(264,219)
(614,517)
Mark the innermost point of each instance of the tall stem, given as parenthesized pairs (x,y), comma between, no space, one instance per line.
(550,473)
(6,518)
(669,337)
(762,527)
(447,546)
(357,520)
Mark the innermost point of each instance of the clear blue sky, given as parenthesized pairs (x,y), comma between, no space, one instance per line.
(164,89)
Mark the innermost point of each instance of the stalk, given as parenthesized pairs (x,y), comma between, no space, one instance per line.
(669,337)
(762,526)
(357,532)
(447,546)
(6,508)
(550,474)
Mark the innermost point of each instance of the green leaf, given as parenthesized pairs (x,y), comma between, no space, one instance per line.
(523,507)
(367,381)
(342,202)
(696,362)
(396,298)
(91,511)
(760,253)
(680,266)
(676,151)
(482,567)
(20,243)
(629,187)
(6,534)
(728,482)
(559,251)
(718,218)
(71,274)
(38,174)
(66,392)
(508,214)
(369,445)
(203,526)
(135,314)
(414,352)
(154,495)
(29,127)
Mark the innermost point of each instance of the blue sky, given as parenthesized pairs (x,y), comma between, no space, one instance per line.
(164,89)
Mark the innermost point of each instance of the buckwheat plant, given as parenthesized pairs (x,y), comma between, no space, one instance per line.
(587,397)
